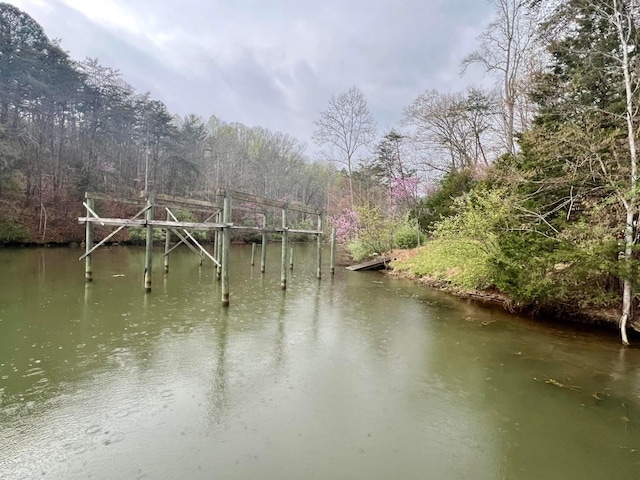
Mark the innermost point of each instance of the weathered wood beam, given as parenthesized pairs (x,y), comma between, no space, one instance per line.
(193,239)
(109,198)
(310,232)
(159,200)
(298,207)
(154,223)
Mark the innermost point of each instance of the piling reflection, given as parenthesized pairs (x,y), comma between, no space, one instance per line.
(218,393)
(356,376)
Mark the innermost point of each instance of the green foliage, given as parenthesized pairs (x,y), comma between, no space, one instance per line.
(489,244)
(138,235)
(440,204)
(408,235)
(375,233)
(359,250)
(306,224)
(462,263)
(466,243)
(574,270)
(12,232)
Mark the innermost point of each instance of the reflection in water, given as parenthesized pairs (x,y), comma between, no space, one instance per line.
(356,376)
(218,393)
(280,338)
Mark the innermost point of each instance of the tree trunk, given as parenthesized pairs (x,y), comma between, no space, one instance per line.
(627,287)
(624,27)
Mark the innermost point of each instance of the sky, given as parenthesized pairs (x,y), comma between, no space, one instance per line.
(273,63)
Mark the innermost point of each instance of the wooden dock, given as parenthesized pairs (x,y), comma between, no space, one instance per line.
(379,263)
(218,221)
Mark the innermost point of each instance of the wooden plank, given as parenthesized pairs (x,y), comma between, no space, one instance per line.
(109,198)
(154,223)
(379,263)
(161,198)
(310,232)
(245,197)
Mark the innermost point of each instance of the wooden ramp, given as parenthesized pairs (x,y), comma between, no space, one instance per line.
(379,263)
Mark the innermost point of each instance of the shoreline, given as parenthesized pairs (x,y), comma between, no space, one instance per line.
(605,319)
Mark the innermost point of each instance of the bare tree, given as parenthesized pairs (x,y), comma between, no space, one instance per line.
(507,50)
(346,126)
(450,128)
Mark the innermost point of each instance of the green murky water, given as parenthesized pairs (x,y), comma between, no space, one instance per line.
(356,376)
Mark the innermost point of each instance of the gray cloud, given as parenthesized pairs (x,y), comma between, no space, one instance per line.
(272,63)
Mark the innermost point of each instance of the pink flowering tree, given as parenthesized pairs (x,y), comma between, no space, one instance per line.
(346,225)
(403,194)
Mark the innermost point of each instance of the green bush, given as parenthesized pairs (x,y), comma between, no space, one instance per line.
(462,263)
(307,224)
(13,232)
(359,250)
(440,204)
(375,234)
(138,235)
(407,236)
(465,244)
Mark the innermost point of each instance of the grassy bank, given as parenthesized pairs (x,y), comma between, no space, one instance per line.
(464,271)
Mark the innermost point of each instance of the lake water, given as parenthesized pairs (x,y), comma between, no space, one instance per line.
(355,376)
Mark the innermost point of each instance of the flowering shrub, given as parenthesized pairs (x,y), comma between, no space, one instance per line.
(346,225)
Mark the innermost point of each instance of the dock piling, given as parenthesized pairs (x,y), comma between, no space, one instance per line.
(148,261)
(88,268)
(226,245)
(283,265)
(167,245)
(263,253)
(319,249)
(333,250)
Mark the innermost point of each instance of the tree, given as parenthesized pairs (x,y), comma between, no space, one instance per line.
(623,18)
(450,128)
(389,162)
(508,51)
(346,126)
(583,138)
(185,153)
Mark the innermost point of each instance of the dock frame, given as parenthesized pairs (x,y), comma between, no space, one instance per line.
(219,221)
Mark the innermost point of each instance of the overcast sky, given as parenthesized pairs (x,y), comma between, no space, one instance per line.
(273,63)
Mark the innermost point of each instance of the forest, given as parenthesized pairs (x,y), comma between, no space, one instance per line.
(69,126)
(525,185)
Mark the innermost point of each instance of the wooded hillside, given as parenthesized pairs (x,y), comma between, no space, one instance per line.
(69,126)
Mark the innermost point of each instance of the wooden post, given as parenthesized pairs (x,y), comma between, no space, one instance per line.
(167,246)
(333,250)
(319,249)
(88,268)
(226,245)
(148,252)
(263,253)
(253,253)
(291,259)
(218,247)
(283,265)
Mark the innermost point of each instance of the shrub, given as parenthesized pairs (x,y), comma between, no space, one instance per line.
(407,236)
(13,232)
(440,204)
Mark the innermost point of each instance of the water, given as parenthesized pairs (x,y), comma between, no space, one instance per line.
(357,376)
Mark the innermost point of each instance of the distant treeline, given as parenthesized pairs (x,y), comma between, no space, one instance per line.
(70,126)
